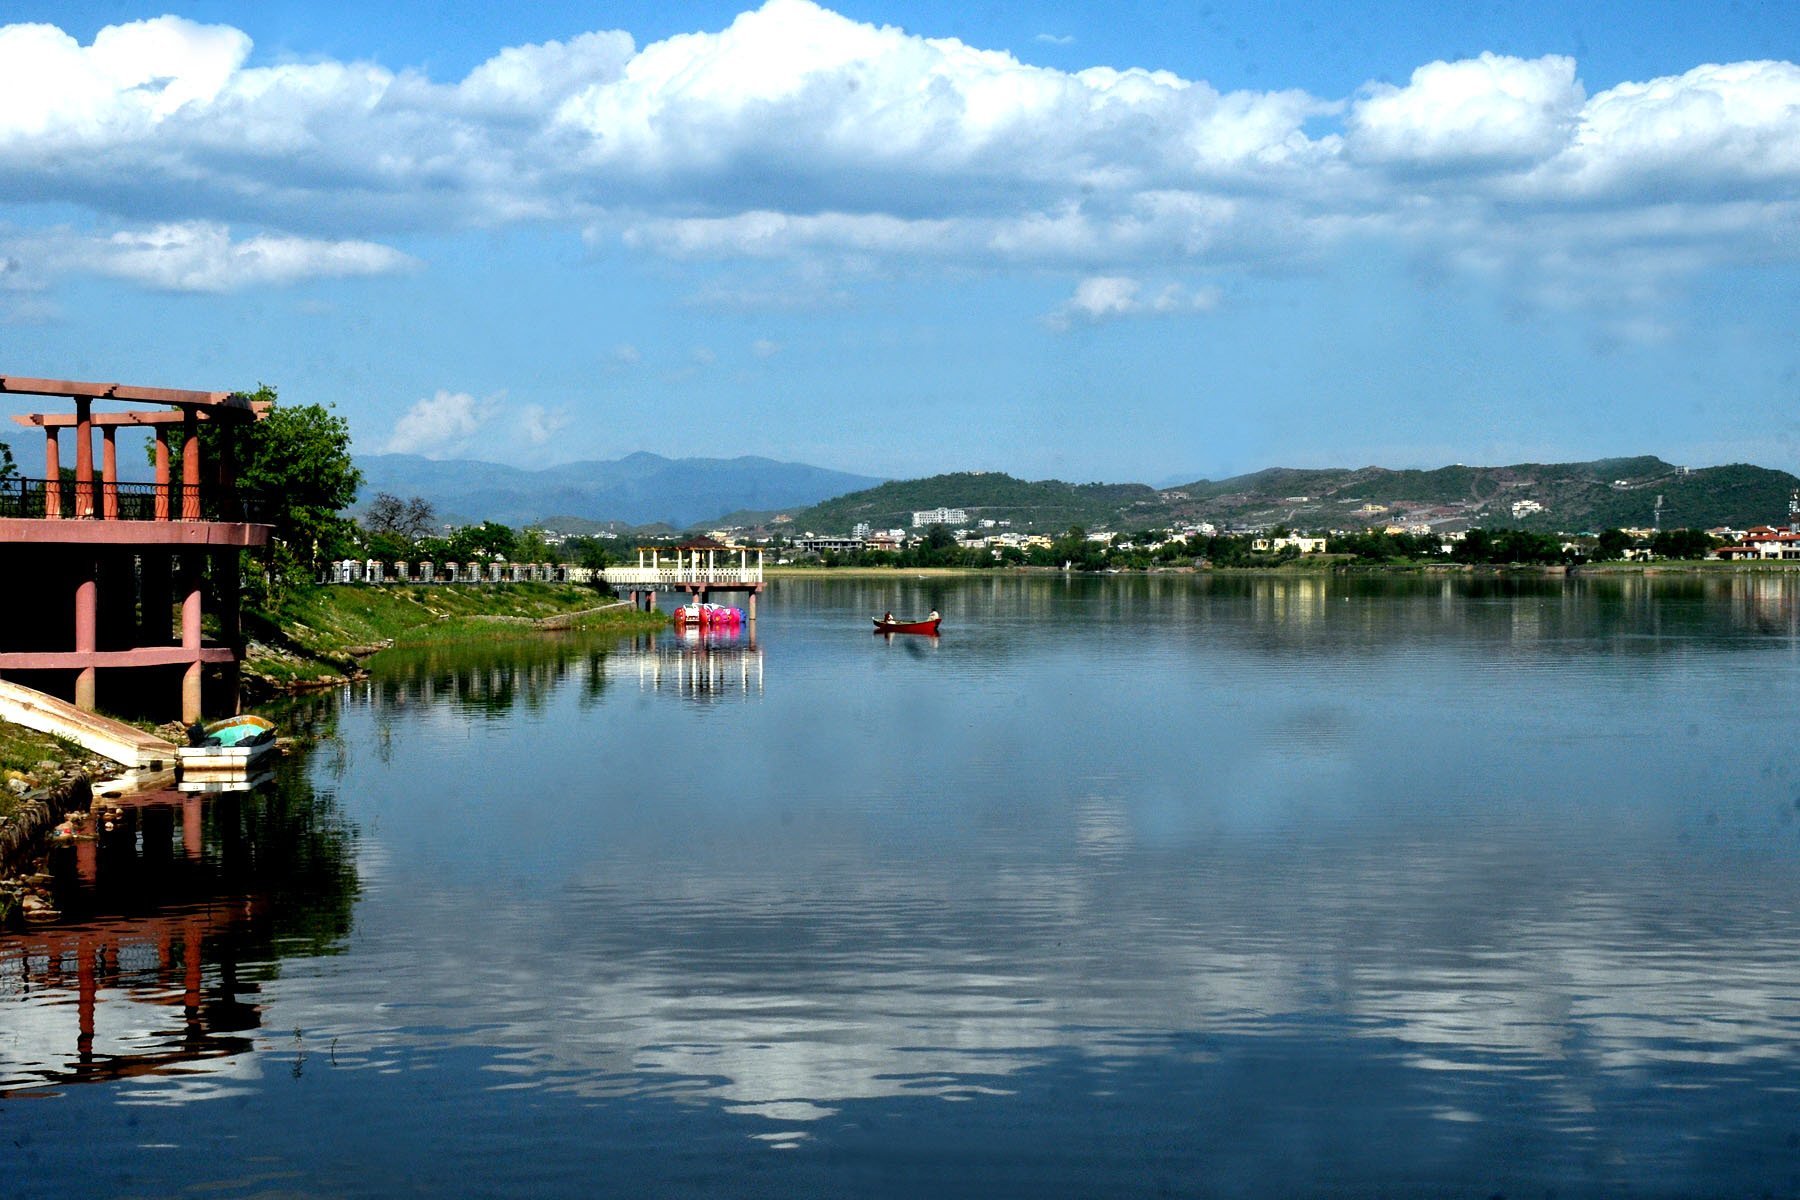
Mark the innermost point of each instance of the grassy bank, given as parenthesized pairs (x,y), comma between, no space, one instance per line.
(321,633)
(36,760)
(1672,566)
(21,750)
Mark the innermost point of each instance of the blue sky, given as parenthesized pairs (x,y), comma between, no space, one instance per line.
(1122,242)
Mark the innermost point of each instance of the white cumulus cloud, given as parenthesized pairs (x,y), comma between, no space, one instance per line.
(442,425)
(1106,297)
(1487,111)
(199,256)
(798,137)
(190,256)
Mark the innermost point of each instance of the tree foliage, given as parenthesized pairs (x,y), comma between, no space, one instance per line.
(408,520)
(1504,546)
(296,460)
(1611,545)
(1682,543)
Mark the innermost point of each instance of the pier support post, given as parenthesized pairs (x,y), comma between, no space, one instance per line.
(109,473)
(84,457)
(190,466)
(190,637)
(162,474)
(750,607)
(52,474)
(86,621)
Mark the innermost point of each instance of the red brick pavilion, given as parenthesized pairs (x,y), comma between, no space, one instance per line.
(92,569)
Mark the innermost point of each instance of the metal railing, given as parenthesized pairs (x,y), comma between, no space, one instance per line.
(70,499)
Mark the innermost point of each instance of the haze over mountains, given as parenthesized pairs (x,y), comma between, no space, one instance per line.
(639,489)
(647,489)
(643,489)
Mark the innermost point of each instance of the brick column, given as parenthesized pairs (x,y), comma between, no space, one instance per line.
(190,466)
(190,635)
(84,457)
(86,614)
(52,474)
(109,473)
(162,473)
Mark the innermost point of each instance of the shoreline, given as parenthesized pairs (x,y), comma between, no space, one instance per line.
(1297,567)
(326,633)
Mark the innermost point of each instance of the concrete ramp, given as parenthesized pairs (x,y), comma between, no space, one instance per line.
(116,740)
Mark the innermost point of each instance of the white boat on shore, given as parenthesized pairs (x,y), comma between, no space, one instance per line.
(227,751)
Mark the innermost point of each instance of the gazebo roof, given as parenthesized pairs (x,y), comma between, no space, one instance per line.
(205,405)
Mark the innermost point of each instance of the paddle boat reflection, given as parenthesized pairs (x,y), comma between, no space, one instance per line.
(701,664)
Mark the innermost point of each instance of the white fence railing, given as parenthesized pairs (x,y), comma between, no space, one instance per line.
(653,576)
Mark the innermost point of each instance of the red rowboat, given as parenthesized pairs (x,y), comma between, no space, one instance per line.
(885,626)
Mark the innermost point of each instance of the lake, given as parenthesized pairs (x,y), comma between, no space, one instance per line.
(1247,886)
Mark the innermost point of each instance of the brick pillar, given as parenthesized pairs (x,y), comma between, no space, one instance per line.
(190,466)
(84,457)
(162,472)
(52,474)
(109,473)
(190,635)
(86,614)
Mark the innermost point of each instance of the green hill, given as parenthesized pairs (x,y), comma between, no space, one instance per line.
(1043,505)
(1570,497)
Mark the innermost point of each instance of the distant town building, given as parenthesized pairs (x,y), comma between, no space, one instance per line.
(1302,543)
(828,545)
(1524,508)
(939,516)
(861,529)
(1766,542)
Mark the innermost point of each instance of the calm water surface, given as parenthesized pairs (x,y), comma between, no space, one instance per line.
(1236,887)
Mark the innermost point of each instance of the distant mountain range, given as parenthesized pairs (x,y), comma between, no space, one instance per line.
(1613,492)
(646,490)
(639,489)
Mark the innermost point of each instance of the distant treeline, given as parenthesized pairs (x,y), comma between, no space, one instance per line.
(1149,549)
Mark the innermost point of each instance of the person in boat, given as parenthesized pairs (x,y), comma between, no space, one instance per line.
(933,616)
(889,619)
